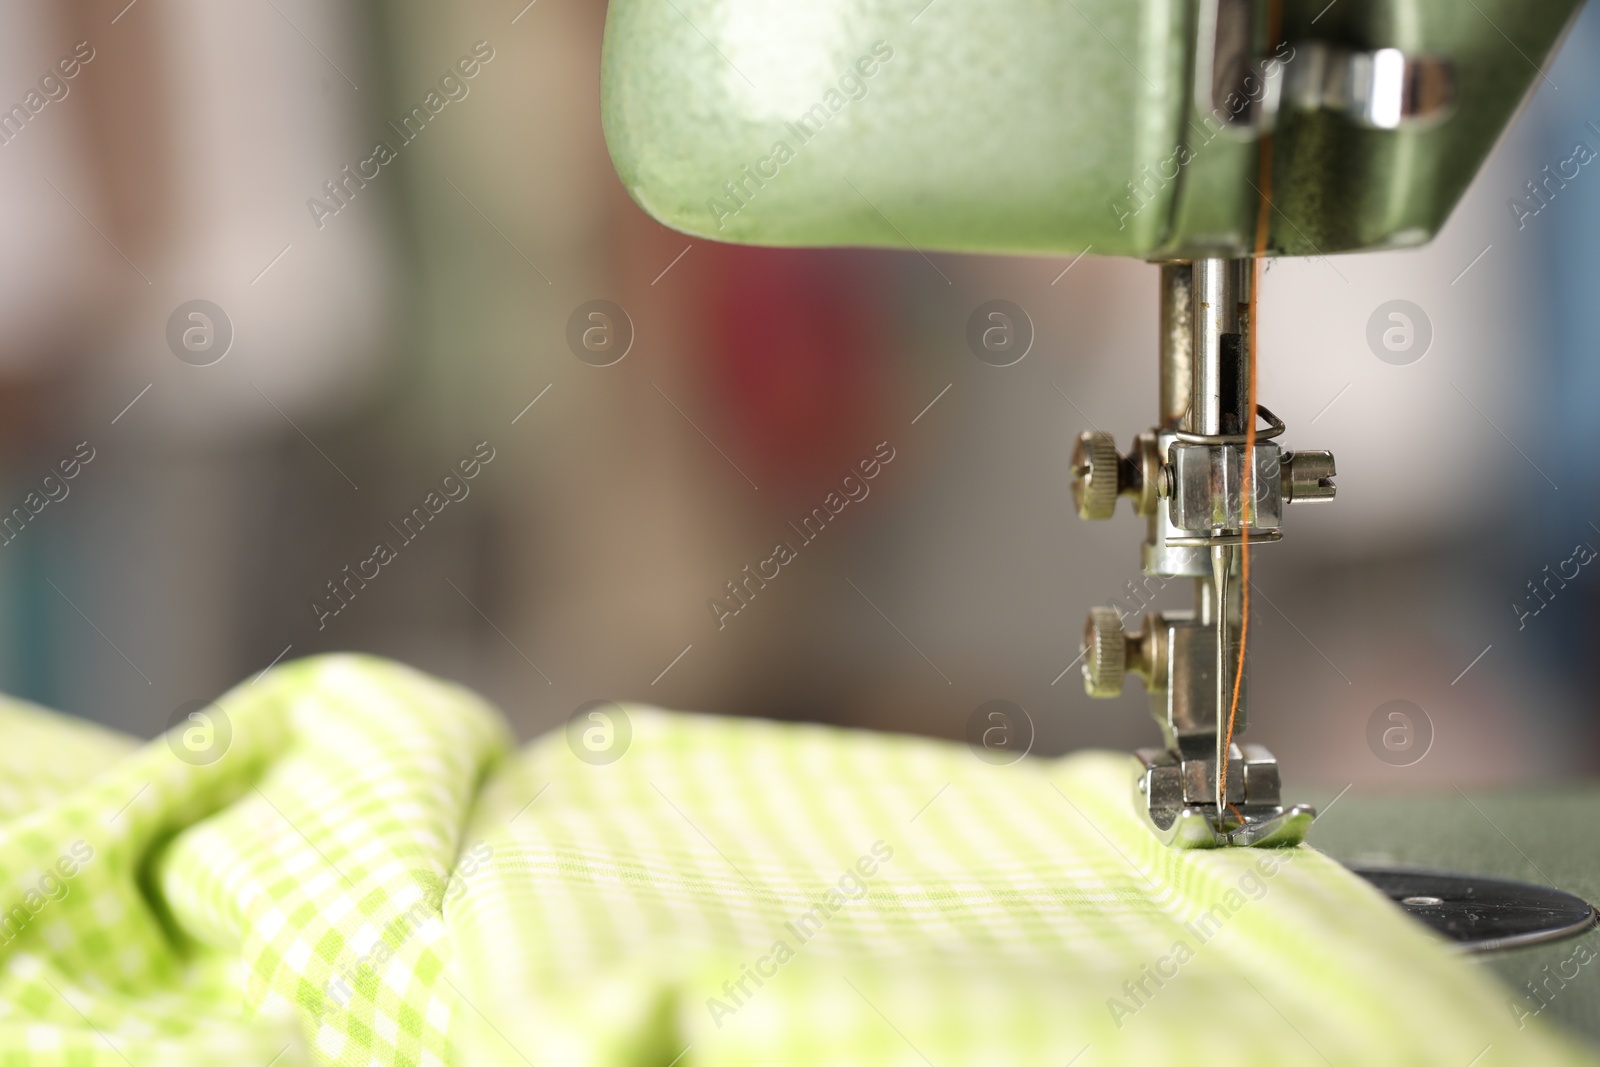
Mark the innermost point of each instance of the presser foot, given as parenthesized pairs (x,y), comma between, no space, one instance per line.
(1173,791)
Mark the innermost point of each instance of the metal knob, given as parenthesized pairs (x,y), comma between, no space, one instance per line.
(1096,478)
(1105,656)
(1308,476)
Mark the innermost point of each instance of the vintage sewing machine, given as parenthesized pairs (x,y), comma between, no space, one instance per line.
(1200,135)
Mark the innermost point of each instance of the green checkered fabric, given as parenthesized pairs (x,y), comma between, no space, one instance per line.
(342,862)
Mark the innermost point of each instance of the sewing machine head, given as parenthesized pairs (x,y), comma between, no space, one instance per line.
(1199,135)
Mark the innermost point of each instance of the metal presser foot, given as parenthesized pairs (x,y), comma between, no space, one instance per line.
(1186,477)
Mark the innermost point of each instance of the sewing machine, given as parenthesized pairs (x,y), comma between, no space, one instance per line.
(1201,135)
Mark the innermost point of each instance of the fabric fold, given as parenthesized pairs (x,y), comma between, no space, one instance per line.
(342,862)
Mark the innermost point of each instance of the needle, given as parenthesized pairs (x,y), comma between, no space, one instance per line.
(1221,557)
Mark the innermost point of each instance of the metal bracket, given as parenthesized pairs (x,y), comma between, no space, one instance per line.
(1175,796)
(1243,90)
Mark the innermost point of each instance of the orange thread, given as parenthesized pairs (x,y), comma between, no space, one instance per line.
(1263,218)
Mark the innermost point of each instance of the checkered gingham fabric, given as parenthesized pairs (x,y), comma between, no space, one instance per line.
(343,862)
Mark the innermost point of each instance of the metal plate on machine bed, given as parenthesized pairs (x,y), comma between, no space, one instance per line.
(1482,914)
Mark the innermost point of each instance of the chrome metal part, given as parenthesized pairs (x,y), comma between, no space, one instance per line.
(1242,87)
(1307,477)
(1380,90)
(1202,493)
(1177,344)
(1209,484)
(1173,794)
(1217,404)
(1482,914)
(1160,554)
(1230,81)
(1222,580)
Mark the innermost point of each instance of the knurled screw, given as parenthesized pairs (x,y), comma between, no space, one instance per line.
(1105,657)
(1096,475)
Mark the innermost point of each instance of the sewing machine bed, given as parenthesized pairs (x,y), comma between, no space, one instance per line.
(1548,836)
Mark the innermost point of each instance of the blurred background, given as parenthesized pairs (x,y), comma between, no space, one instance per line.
(376,318)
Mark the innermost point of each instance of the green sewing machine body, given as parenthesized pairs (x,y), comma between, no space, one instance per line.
(1041,126)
